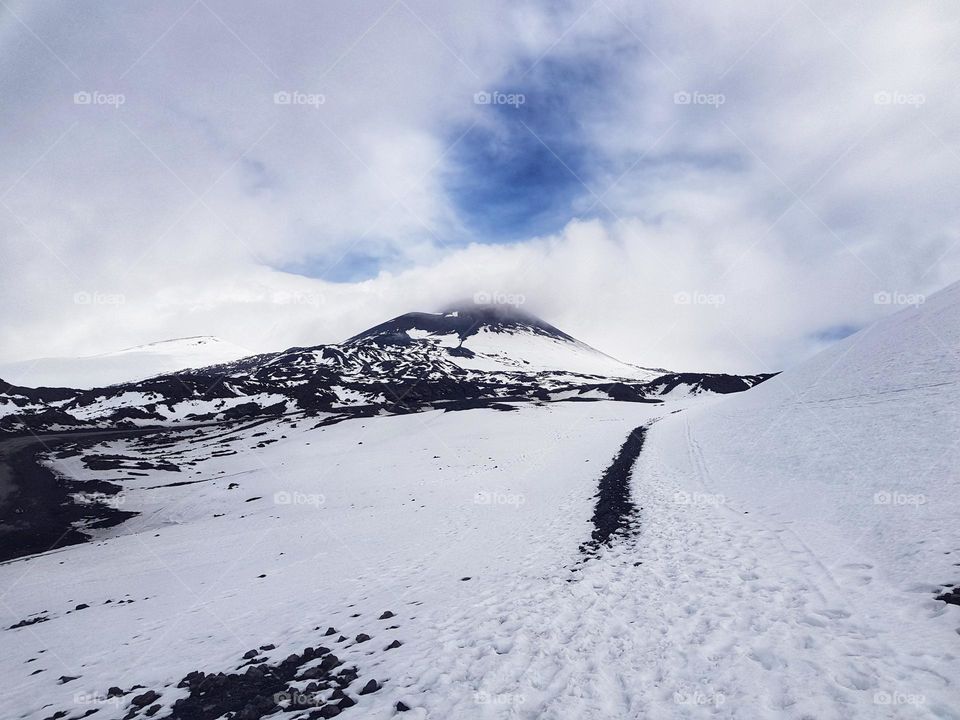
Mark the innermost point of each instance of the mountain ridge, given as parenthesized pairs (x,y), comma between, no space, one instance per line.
(456,359)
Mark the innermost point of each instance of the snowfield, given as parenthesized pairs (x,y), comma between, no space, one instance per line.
(789,546)
(136,363)
(498,351)
(355,518)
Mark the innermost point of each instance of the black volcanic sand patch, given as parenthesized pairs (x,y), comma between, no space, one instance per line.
(615,512)
(124,462)
(39,513)
(494,403)
(264,688)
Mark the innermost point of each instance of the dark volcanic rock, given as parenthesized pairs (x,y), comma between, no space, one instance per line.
(371,687)
(29,621)
(145,699)
(263,689)
(709,382)
(951,596)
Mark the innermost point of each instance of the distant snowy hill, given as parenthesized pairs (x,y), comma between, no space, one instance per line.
(131,364)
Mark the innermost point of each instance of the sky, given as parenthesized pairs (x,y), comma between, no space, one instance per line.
(696,186)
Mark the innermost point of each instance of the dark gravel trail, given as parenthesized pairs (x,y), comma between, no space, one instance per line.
(615,513)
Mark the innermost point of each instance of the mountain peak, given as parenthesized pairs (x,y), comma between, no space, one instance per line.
(461,319)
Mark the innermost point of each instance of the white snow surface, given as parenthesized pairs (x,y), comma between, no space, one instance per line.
(523,350)
(128,365)
(856,450)
(791,541)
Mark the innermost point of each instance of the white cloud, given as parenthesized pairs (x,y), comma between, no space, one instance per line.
(795,200)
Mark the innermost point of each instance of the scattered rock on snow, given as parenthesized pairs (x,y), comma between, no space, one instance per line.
(371,687)
(145,699)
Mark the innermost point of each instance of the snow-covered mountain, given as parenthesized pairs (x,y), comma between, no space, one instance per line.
(467,356)
(501,338)
(785,552)
(128,365)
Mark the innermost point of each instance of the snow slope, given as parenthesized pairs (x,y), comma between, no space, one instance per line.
(857,449)
(821,513)
(131,364)
(526,351)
